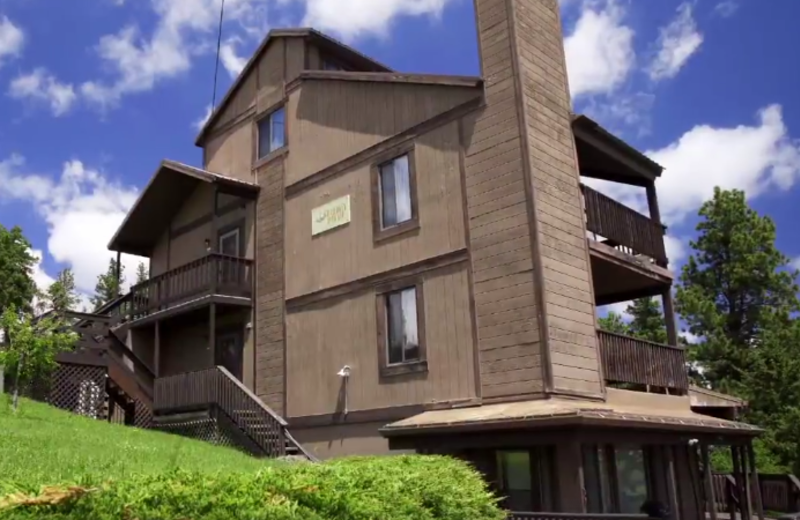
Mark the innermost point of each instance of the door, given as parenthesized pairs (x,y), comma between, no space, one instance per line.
(229,268)
(229,352)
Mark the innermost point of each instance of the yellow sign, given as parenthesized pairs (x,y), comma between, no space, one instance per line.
(331,215)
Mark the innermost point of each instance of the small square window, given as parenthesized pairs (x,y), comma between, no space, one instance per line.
(271,133)
(401,337)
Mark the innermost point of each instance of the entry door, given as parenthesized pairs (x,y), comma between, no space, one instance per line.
(230,352)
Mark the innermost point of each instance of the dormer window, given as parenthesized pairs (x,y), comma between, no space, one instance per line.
(272,133)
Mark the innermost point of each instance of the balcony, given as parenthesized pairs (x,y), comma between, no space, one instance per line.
(215,276)
(628,255)
(642,363)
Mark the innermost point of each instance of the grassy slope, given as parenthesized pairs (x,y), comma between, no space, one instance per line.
(42,445)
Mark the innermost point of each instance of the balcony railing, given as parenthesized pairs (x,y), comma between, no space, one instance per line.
(640,362)
(623,227)
(211,274)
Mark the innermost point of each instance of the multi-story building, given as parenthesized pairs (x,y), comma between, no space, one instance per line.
(389,261)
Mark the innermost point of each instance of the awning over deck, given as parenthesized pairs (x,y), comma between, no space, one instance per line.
(171,185)
(557,412)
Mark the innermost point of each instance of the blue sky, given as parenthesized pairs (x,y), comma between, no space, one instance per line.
(93,94)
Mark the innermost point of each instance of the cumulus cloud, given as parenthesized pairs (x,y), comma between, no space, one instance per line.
(200,123)
(229,58)
(81,209)
(599,50)
(41,86)
(726,8)
(12,39)
(677,42)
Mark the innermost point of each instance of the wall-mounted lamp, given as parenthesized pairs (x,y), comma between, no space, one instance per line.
(208,245)
(344,373)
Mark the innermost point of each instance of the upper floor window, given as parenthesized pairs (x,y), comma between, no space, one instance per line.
(272,133)
(331,65)
(401,337)
(395,185)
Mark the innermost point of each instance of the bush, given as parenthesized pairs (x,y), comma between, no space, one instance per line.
(371,488)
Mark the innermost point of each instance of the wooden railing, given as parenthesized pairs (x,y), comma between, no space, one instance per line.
(623,227)
(515,515)
(779,493)
(217,387)
(639,362)
(211,274)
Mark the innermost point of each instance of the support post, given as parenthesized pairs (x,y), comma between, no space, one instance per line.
(751,456)
(747,507)
(118,273)
(212,333)
(157,350)
(738,476)
(672,491)
(669,316)
(711,503)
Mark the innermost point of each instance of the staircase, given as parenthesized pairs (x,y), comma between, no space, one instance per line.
(211,405)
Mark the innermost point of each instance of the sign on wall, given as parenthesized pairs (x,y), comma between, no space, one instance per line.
(331,215)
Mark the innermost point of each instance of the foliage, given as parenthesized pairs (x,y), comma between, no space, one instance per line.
(132,474)
(31,346)
(733,288)
(142,273)
(16,264)
(647,321)
(766,461)
(61,295)
(614,323)
(108,287)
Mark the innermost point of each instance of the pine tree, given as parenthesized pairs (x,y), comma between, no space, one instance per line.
(61,295)
(735,288)
(142,273)
(17,287)
(614,323)
(107,288)
(647,320)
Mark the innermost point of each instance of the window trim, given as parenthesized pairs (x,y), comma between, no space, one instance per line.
(379,232)
(267,114)
(410,367)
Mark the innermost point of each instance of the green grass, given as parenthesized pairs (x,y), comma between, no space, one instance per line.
(43,445)
(55,465)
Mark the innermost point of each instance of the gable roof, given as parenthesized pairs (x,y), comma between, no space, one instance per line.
(330,44)
(162,198)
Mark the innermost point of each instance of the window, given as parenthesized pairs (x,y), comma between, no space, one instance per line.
(616,479)
(400,330)
(394,196)
(229,243)
(526,478)
(271,133)
(330,65)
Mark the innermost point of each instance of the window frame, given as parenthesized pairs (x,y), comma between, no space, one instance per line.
(381,300)
(234,227)
(609,471)
(267,116)
(381,233)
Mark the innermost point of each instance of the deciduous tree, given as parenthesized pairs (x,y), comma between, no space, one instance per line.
(30,347)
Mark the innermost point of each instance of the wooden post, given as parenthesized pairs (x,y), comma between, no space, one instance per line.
(738,476)
(212,333)
(747,507)
(118,273)
(157,349)
(669,317)
(751,456)
(711,503)
(652,202)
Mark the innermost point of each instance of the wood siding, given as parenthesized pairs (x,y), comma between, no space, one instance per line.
(565,266)
(327,121)
(270,336)
(350,253)
(177,249)
(327,335)
(531,269)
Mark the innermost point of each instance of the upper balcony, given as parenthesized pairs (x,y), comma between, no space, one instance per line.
(628,253)
(197,229)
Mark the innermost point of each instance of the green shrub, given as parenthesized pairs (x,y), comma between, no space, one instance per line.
(405,487)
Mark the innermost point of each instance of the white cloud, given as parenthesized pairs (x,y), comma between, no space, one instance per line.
(726,8)
(620,308)
(12,39)
(40,85)
(676,249)
(796,263)
(599,50)
(677,42)
(232,62)
(351,19)
(755,158)
(185,29)
(82,210)
(200,123)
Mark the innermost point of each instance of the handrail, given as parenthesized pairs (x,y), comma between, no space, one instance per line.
(640,340)
(252,396)
(630,360)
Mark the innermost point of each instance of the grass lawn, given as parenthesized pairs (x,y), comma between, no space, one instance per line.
(43,445)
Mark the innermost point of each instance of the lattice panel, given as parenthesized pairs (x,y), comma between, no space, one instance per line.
(143,417)
(80,389)
(205,429)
